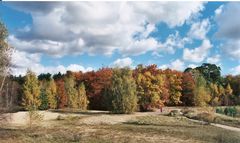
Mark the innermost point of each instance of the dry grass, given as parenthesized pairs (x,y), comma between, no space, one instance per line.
(154,128)
(146,127)
(208,114)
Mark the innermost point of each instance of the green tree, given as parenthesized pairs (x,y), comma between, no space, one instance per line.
(51,93)
(210,72)
(201,92)
(31,91)
(71,91)
(123,91)
(43,96)
(82,101)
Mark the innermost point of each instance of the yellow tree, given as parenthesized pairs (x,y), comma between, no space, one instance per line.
(51,92)
(227,95)
(71,91)
(82,100)
(201,92)
(31,91)
(150,84)
(175,90)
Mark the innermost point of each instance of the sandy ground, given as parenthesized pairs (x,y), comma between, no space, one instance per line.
(21,118)
(94,117)
(91,117)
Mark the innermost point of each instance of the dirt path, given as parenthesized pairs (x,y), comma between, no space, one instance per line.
(226,127)
(217,125)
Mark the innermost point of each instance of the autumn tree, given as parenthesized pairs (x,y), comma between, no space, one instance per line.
(216,92)
(51,93)
(228,96)
(82,100)
(123,91)
(31,91)
(201,92)
(61,93)
(188,86)
(5,55)
(95,82)
(5,58)
(71,91)
(150,84)
(174,82)
(234,82)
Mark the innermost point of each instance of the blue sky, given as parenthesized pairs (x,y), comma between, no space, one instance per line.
(60,36)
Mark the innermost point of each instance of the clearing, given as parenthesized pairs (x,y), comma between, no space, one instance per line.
(100,126)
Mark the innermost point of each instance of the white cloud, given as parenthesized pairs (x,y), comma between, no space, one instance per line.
(192,65)
(228,29)
(175,65)
(199,30)
(22,61)
(163,67)
(173,42)
(214,59)
(235,70)
(198,54)
(219,10)
(100,27)
(67,28)
(125,62)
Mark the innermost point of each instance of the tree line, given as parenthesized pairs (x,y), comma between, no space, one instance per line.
(125,90)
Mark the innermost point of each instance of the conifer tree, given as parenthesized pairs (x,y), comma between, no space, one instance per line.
(82,101)
(51,92)
(43,97)
(71,91)
(31,91)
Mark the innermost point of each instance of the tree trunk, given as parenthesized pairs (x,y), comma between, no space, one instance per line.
(2,84)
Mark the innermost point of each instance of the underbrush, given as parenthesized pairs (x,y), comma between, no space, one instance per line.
(229,111)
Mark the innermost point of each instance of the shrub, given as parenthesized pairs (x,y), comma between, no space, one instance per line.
(230,111)
(175,113)
(220,111)
(207,117)
(34,117)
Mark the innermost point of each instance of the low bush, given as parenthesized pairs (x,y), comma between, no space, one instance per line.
(207,117)
(229,111)
(175,113)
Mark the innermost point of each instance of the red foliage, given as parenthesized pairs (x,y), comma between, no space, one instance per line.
(188,86)
(95,83)
(61,95)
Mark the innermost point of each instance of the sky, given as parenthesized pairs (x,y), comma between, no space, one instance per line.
(59,36)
